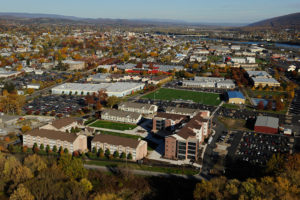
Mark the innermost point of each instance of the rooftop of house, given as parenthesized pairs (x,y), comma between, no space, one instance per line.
(116,140)
(185,111)
(51,134)
(120,113)
(170,116)
(137,105)
(59,123)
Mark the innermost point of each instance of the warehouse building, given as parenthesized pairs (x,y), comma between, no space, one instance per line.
(209,82)
(265,124)
(262,78)
(112,89)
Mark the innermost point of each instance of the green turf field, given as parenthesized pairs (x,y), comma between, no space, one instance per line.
(173,94)
(113,125)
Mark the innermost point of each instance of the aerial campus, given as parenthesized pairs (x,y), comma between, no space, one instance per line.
(118,110)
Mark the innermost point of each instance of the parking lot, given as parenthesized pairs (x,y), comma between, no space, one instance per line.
(21,82)
(295,106)
(258,148)
(53,104)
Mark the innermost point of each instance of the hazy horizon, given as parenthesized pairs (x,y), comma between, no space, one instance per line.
(192,11)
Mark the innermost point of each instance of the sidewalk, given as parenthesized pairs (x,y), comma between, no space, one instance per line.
(157,154)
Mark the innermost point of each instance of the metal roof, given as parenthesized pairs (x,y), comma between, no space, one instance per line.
(266,121)
(235,94)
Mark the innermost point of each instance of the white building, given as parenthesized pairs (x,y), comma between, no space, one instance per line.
(35,86)
(121,116)
(74,65)
(112,89)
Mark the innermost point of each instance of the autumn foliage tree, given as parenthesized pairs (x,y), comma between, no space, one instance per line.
(260,105)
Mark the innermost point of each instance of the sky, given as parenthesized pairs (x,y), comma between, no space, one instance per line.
(207,11)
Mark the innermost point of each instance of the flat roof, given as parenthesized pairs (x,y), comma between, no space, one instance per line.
(109,87)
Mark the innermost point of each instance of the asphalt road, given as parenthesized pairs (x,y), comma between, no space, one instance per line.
(208,160)
(145,173)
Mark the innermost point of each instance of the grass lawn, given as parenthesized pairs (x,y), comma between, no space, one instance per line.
(143,167)
(230,106)
(120,134)
(234,124)
(90,121)
(113,125)
(173,94)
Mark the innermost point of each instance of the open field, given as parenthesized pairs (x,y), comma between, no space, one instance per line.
(173,94)
(234,124)
(113,125)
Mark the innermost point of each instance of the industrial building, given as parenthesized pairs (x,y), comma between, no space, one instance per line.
(112,89)
(209,82)
(265,124)
(262,78)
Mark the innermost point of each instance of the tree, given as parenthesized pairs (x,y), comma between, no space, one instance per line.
(116,154)
(86,185)
(98,106)
(276,164)
(48,149)
(94,150)
(100,153)
(195,66)
(54,149)
(123,155)
(30,91)
(35,163)
(260,105)
(203,190)
(279,105)
(42,147)
(66,150)
(21,193)
(24,149)
(129,156)
(107,153)
(269,105)
(102,95)
(60,150)
(72,167)
(112,100)
(107,196)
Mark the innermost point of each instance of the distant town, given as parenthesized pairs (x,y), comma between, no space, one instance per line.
(190,103)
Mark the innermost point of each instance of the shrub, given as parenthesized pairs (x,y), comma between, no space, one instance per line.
(123,155)
(129,156)
(116,154)
(107,153)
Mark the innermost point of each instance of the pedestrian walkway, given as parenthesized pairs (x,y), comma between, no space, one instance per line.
(157,154)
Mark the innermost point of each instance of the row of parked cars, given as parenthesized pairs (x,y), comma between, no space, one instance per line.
(257,148)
